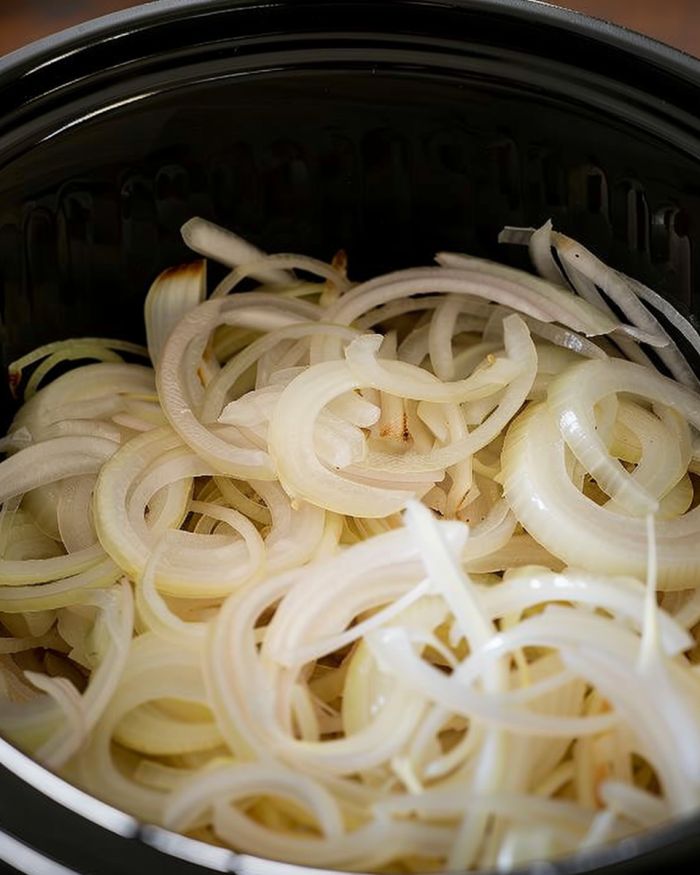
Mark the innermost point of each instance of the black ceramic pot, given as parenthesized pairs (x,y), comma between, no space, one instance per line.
(392,128)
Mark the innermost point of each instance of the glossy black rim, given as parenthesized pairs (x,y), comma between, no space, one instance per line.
(28,57)
(66,57)
(638,74)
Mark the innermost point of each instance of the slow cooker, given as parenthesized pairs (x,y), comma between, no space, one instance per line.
(391,128)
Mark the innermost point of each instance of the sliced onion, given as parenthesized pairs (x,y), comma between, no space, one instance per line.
(291,445)
(237,461)
(308,675)
(404,380)
(173,293)
(571,399)
(213,241)
(572,526)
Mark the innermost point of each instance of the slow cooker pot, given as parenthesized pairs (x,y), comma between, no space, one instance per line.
(391,128)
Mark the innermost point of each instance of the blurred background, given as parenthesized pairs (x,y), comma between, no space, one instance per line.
(673,21)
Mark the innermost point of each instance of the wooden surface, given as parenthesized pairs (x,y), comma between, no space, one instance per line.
(673,21)
(676,22)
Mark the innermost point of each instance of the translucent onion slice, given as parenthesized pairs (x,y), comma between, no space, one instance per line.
(117,619)
(290,441)
(572,526)
(616,287)
(53,460)
(251,722)
(332,276)
(154,671)
(173,293)
(32,722)
(623,291)
(589,320)
(247,779)
(114,526)
(205,566)
(409,381)
(572,398)
(442,327)
(89,392)
(665,740)
(665,450)
(222,245)
(621,596)
(298,529)
(18,572)
(61,592)
(557,306)
(366,580)
(393,650)
(74,513)
(241,502)
(333,847)
(519,346)
(225,382)
(52,354)
(152,730)
(253,310)
(153,609)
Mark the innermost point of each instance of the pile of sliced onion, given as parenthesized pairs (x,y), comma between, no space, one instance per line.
(399,575)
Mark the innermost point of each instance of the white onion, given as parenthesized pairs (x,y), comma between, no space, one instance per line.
(364,576)
(173,293)
(572,526)
(222,245)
